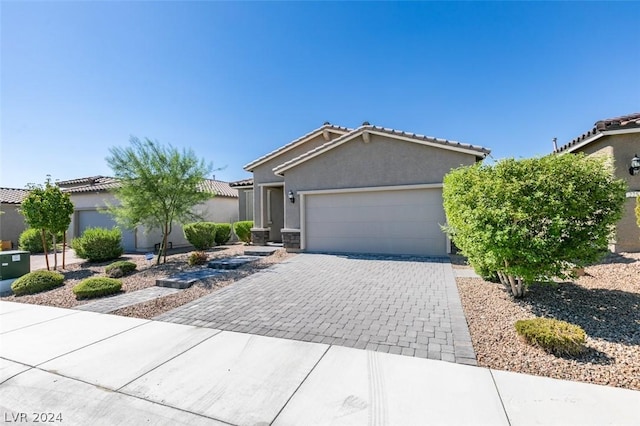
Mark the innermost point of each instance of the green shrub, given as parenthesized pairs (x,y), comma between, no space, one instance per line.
(120,268)
(202,235)
(554,336)
(37,281)
(96,287)
(197,258)
(31,240)
(98,244)
(243,230)
(223,233)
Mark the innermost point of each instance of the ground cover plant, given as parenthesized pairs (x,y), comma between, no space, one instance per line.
(97,287)
(120,268)
(554,336)
(36,282)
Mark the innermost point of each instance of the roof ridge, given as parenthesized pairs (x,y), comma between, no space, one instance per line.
(629,121)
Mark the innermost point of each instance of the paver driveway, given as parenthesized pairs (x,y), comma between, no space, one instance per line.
(407,306)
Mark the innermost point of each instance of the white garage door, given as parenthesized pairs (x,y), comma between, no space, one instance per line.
(390,222)
(94,218)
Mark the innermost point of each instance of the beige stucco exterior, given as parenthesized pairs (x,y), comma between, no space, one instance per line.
(383,161)
(217,209)
(621,148)
(12,223)
(245,203)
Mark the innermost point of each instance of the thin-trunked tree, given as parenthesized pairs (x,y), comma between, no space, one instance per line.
(48,209)
(159,185)
(533,219)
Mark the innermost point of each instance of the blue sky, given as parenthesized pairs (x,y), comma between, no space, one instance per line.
(234,81)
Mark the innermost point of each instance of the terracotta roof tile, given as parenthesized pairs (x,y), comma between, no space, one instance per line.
(13,195)
(629,121)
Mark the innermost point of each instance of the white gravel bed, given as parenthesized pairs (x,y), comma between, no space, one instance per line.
(605,303)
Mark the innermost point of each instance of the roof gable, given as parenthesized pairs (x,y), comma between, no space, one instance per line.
(324,130)
(623,124)
(366,130)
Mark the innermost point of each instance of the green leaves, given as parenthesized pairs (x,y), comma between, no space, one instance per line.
(159,185)
(47,208)
(539,216)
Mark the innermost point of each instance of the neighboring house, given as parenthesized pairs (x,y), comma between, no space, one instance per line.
(12,222)
(91,195)
(364,190)
(245,198)
(619,139)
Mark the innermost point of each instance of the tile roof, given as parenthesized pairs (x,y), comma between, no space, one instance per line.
(241,183)
(79,181)
(630,121)
(105,183)
(445,143)
(13,195)
(325,126)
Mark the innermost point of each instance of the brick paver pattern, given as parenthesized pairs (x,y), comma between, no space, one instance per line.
(407,306)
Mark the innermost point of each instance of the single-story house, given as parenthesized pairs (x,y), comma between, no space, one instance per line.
(619,139)
(12,222)
(245,198)
(365,190)
(91,195)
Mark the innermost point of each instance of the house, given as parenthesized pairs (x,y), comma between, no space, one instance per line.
(619,139)
(91,195)
(245,198)
(364,190)
(12,222)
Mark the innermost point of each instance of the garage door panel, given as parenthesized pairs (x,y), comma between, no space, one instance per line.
(394,222)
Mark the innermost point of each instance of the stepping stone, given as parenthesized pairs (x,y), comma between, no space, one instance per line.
(261,250)
(113,303)
(187,279)
(231,262)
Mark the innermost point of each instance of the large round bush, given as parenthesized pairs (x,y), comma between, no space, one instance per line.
(202,235)
(36,282)
(99,244)
(97,287)
(223,233)
(31,240)
(243,230)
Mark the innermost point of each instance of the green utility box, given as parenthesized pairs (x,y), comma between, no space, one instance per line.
(14,264)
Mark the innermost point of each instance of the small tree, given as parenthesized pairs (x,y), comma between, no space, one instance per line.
(48,209)
(159,186)
(533,219)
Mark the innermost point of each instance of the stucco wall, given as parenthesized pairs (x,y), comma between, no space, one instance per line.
(622,148)
(12,224)
(217,209)
(381,162)
(264,172)
(245,203)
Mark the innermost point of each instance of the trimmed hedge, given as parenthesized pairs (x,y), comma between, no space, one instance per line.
(36,282)
(197,258)
(96,287)
(202,235)
(243,230)
(554,336)
(120,268)
(98,244)
(223,233)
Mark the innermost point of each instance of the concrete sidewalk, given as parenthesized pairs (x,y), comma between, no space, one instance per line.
(87,368)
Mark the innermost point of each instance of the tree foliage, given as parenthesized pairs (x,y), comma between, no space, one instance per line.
(48,209)
(533,219)
(160,185)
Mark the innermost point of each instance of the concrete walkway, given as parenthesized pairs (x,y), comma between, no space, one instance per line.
(87,368)
(407,306)
(38,261)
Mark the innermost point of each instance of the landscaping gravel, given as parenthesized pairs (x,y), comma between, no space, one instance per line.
(145,276)
(605,303)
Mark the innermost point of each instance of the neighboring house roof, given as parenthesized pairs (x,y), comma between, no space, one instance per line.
(326,128)
(368,129)
(105,183)
(242,183)
(13,195)
(617,125)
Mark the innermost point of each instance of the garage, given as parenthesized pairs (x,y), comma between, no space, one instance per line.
(96,219)
(387,221)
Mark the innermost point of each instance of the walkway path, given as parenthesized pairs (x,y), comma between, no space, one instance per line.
(113,303)
(407,306)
